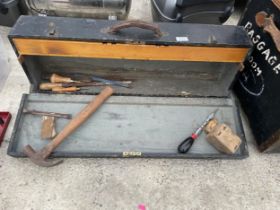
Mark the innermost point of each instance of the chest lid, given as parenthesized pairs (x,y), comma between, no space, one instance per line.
(167,60)
(72,37)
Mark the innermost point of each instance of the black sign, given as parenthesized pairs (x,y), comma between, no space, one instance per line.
(258,86)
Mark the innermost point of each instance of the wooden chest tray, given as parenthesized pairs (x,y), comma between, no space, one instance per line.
(127,126)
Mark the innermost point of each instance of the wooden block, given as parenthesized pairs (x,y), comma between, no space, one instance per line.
(211,126)
(222,137)
(48,127)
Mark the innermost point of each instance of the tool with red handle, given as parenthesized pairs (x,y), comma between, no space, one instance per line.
(185,146)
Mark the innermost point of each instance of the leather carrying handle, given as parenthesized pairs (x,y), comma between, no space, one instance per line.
(138,24)
(268,25)
(55,78)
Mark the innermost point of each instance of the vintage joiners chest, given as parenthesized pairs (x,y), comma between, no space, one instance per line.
(180,73)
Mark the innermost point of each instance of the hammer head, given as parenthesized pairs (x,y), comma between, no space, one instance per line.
(39,158)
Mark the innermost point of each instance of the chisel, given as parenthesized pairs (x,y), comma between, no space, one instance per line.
(50,86)
(68,89)
(55,78)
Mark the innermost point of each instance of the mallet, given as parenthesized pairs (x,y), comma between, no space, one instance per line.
(40,157)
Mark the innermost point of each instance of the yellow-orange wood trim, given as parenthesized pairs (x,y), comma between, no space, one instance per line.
(63,48)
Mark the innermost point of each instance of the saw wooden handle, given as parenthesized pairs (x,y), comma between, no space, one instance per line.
(78,120)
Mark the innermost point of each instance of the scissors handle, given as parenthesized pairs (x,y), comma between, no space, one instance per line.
(185,146)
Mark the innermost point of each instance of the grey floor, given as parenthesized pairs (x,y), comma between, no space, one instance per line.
(253,183)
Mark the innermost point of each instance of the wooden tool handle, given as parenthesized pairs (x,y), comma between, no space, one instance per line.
(65,90)
(79,119)
(49,86)
(55,78)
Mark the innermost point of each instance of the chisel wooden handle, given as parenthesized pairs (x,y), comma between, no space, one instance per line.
(65,90)
(55,78)
(78,120)
(50,86)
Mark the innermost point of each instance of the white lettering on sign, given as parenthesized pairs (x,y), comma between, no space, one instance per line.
(255,66)
(277,68)
(261,46)
(182,39)
(252,81)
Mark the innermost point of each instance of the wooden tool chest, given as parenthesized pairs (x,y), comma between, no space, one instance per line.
(180,73)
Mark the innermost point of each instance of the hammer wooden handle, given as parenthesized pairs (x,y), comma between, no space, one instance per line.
(78,120)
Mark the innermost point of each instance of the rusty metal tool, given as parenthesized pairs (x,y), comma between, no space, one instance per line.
(185,146)
(267,23)
(40,157)
(50,114)
(48,122)
(48,127)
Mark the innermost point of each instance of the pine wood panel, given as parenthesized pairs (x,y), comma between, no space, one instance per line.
(128,51)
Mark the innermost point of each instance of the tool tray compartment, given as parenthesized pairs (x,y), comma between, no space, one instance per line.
(178,79)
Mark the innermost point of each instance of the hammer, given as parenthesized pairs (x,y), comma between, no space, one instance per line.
(40,157)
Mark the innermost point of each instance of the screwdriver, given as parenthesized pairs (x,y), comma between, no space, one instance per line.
(185,146)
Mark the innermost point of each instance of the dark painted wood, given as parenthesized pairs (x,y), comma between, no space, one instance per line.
(150,78)
(97,30)
(258,85)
